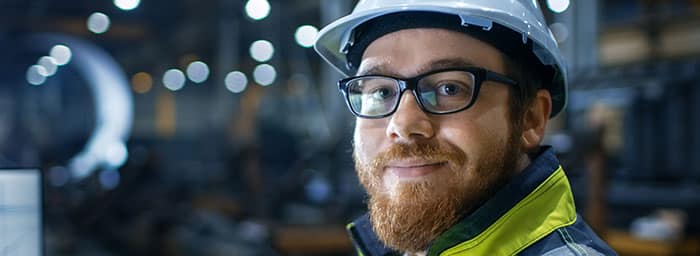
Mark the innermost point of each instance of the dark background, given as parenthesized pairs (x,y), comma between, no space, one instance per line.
(268,171)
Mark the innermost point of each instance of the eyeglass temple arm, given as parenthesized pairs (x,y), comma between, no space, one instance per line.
(492,76)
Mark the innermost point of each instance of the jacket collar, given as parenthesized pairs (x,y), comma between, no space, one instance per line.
(544,165)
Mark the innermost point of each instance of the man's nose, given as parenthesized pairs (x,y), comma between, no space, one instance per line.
(409,122)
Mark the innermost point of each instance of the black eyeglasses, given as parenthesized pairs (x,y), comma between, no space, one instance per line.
(439,92)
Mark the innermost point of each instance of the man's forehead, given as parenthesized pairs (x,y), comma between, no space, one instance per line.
(385,66)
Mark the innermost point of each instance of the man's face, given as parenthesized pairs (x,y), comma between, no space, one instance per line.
(423,171)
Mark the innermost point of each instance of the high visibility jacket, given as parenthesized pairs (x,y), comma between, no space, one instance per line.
(534,214)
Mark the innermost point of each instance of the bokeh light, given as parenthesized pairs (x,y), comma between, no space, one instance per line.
(236,82)
(264,74)
(36,75)
(116,153)
(98,23)
(561,33)
(61,53)
(174,79)
(198,71)
(558,6)
(109,179)
(49,64)
(257,9)
(262,50)
(306,35)
(127,5)
(141,82)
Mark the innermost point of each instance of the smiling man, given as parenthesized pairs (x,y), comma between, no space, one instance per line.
(452,99)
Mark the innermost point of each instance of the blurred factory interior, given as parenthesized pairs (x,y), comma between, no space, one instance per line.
(211,127)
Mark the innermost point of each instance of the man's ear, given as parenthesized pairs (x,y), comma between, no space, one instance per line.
(535,120)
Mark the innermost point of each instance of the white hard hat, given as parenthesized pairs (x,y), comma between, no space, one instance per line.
(523,17)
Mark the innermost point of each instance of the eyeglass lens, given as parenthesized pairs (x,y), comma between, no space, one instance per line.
(438,93)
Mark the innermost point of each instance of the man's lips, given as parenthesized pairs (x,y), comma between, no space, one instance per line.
(413,168)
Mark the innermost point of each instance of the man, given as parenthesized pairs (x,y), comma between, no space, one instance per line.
(452,99)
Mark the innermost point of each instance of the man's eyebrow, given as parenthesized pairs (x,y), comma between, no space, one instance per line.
(374,70)
(445,63)
(434,65)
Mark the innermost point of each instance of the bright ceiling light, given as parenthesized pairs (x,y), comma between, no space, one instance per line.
(262,50)
(61,53)
(236,82)
(198,72)
(264,74)
(98,23)
(306,35)
(49,63)
(174,79)
(127,5)
(36,75)
(257,9)
(558,6)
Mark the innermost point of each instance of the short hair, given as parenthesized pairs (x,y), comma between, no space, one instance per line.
(530,79)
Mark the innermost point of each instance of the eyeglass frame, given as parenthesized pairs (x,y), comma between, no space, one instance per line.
(480,75)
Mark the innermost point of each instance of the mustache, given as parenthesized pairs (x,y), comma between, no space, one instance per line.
(430,152)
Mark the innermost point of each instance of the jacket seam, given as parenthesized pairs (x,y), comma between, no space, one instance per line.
(568,239)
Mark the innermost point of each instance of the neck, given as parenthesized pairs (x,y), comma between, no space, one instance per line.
(523,162)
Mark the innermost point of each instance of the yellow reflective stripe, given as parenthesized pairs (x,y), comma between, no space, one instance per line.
(549,207)
(349,226)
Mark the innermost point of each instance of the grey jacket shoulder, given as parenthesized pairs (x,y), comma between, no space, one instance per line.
(575,240)
(567,250)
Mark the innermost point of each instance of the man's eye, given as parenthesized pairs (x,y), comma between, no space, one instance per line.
(383,93)
(451,89)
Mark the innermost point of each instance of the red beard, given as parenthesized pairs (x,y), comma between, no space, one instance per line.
(416,212)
